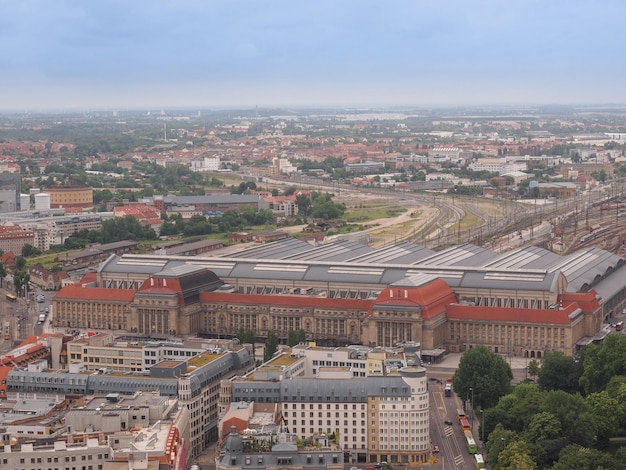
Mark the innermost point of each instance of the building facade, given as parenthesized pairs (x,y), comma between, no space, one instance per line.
(75,198)
(13,238)
(382,415)
(432,300)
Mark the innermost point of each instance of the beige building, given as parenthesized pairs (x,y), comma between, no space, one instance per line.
(13,238)
(452,300)
(382,415)
(80,198)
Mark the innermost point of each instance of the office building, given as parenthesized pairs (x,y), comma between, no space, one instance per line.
(373,401)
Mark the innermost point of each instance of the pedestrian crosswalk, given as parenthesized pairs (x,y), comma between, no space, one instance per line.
(458,460)
(448,431)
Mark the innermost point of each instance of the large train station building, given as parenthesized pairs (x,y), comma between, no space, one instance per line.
(522,302)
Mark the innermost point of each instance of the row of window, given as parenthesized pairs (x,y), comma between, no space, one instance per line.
(360,365)
(502,330)
(73,458)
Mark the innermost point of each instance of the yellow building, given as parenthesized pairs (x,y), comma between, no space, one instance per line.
(81,198)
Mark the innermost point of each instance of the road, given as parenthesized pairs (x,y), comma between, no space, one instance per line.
(450,438)
(22,316)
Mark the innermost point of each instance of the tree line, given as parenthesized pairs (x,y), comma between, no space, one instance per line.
(567,420)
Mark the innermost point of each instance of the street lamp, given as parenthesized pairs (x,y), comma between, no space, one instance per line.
(482,427)
(472,413)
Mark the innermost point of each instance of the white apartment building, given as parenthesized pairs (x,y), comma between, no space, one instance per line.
(376,406)
(211,163)
(496,165)
(59,456)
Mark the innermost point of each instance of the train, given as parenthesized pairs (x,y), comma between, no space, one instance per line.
(595,231)
(613,206)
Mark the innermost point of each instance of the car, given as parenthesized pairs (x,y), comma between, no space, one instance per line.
(434,379)
(447,422)
(449,379)
(435,449)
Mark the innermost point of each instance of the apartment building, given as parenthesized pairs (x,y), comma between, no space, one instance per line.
(382,415)
(194,381)
(53,226)
(13,238)
(61,455)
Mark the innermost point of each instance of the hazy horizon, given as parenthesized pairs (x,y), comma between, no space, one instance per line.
(194,54)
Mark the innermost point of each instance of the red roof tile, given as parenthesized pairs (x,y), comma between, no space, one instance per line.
(432,298)
(95,293)
(516,315)
(284,300)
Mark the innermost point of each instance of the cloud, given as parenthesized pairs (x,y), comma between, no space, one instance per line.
(357,49)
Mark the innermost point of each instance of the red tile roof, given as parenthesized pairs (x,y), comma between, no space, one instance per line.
(88,278)
(516,315)
(433,297)
(95,293)
(587,301)
(284,300)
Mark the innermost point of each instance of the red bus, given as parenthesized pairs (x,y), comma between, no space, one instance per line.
(465,425)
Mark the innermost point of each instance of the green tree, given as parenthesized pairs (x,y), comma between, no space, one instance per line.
(246,336)
(582,458)
(573,413)
(516,456)
(20,263)
(271,345)
(559,372)
(304,204)
(603,362)
(543,426)
(20,281)
(543,435)
(296,337)
(3,274)
(483,374)
(292,338)
(29,250)
(533,368)
(498,440)
(606,413)
(301,335)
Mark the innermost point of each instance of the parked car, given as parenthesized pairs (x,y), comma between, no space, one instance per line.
(435,449)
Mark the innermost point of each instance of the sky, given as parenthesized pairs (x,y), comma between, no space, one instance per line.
(97,54)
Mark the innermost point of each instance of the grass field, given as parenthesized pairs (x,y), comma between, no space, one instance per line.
(373,211)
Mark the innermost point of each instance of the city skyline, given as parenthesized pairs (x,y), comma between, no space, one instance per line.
(216,54)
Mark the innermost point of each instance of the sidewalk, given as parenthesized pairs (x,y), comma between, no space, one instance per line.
(451,362)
